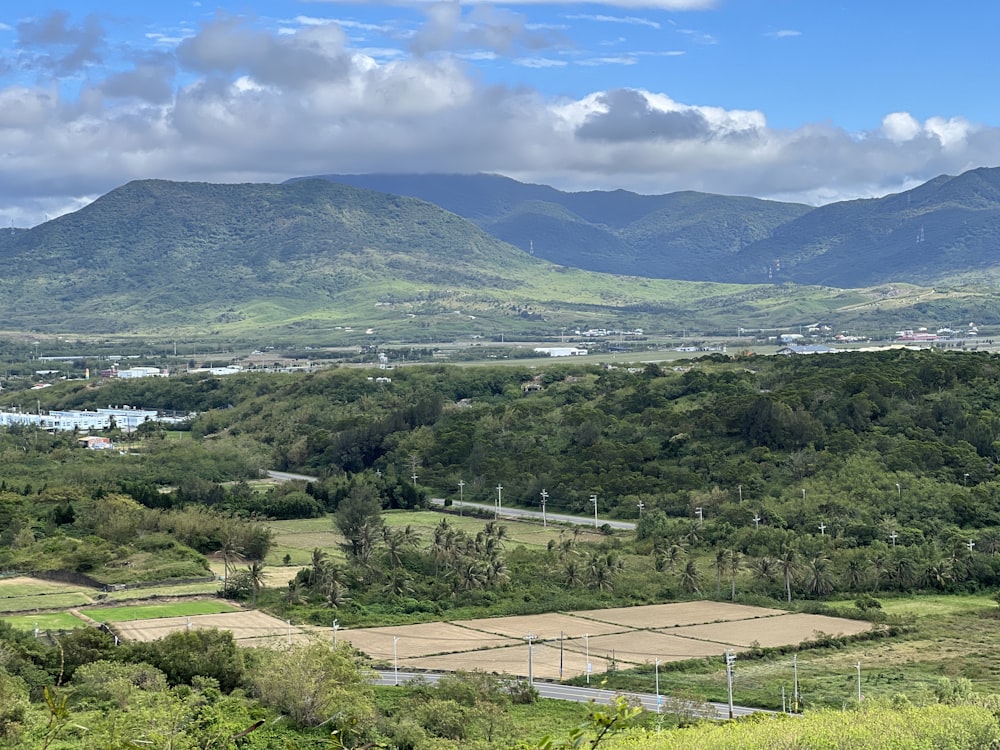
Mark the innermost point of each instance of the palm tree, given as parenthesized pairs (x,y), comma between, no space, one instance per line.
(721,566)
(691,577)
(735,565)
(255,574)
(879,564)
(572,575)
(230,550)
(788,563)
(819,579)
(854,574)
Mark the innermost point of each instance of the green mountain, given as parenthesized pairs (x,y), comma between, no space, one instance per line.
(320,261)
(684,235)
(942,232)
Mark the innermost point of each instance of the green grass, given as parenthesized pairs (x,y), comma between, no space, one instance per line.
(187,589)
(8,590)
(48,621)
(46,601)
(299,537)
(153,611)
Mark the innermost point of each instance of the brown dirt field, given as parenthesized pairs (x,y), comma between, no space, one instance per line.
(511,660)
(249,628)
(544,626)
(419,640)
(641,647)
(681,613)
(774,631)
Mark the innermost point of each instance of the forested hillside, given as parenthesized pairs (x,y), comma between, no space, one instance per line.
(893,454)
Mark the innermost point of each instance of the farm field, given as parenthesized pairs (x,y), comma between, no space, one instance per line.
(249,628)
(561,642)
(160,610)
(45,621)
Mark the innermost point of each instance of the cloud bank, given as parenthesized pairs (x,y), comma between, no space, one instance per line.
(232,102)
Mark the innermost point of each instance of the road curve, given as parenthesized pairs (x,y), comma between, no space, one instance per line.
(577,694)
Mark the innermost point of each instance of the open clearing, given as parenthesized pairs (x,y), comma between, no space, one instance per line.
(249,628)
(710,629)
(45,621)
(154,611)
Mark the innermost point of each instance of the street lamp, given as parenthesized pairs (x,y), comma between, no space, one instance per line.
(899,490)
(593,499)
(499,505)
(545,496)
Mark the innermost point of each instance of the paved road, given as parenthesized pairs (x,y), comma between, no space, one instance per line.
(483,508)
(558,691)
(508,512)
(284,476)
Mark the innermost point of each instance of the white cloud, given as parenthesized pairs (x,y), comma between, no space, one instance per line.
(900,126)
(784,33)
(632,20)
(250,105)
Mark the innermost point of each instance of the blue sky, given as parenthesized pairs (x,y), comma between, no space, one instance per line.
(804,100)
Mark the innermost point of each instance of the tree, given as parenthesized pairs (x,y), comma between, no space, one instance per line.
(788,563)
(315,684)
(735,565)
(358,518)
(691,577)
(255,573)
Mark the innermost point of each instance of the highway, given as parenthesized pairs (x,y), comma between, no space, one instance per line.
(536,515)
(575,693)
(489,510)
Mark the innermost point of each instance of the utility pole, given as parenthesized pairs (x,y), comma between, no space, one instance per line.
(461,495)
(586,643)
(859,681)
(892,537)
(395,658)
(701,515)
(756,521)
(545,496)
(336,627)
(730,660)
(531,676)
(499,504)
(560,656)
(641,505)
(593,499)
(656,668)
(795,683)
(740,488)
(822,529)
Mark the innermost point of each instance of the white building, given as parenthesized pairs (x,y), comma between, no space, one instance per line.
(560,351)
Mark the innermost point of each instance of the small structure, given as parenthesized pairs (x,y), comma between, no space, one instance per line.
(560,351)
(96,443)
(806,349)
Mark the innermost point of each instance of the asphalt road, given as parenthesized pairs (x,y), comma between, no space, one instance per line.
(508,512)
(558,691)
(483,508)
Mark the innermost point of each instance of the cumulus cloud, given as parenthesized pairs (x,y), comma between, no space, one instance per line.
(60,46)
(238,103)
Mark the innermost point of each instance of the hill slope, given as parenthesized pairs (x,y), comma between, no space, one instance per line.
(684,235)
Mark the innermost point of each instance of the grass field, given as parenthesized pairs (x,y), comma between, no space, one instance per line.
(152,611)
(298,538)
(44,601)
(21,586)
(45,621)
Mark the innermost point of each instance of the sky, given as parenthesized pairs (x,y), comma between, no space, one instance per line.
(811,101)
